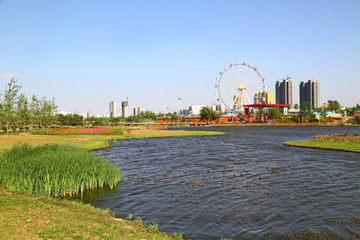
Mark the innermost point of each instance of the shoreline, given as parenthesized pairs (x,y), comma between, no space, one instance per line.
(95,142)
(290,144)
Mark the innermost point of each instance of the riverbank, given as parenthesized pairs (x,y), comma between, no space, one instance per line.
(26,217)
(338,142)
(91,142)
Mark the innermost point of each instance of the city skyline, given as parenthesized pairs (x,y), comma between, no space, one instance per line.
(155,52)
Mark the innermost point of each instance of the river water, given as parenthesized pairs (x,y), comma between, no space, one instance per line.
(240,185)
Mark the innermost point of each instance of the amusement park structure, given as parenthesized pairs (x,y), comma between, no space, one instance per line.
(237,86)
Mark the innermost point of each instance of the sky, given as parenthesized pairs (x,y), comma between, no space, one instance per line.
(86,53)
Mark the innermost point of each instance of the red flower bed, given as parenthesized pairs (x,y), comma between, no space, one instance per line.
(92,130)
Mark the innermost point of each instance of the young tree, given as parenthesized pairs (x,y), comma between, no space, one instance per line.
(34,111)
(22,111)
(10,99)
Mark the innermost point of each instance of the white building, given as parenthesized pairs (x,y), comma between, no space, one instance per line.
(125,109)
(113,109)
(89,114)
(195,109)
(138,110)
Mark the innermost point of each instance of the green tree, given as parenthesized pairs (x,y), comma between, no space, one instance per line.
(208,114)
(305,111)
(34,111)
(261,114)
(47,110)
(10,99)
(334,105)
(22,111)
(274,113)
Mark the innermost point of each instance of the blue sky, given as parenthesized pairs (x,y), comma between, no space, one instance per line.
(86,53)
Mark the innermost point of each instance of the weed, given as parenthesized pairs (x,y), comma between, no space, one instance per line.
(152,227)
(139,220)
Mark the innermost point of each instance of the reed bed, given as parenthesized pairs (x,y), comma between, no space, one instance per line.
(55,170)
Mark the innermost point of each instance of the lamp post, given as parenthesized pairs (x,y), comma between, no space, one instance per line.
(179,99)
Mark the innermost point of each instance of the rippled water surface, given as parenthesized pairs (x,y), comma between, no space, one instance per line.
(239,185)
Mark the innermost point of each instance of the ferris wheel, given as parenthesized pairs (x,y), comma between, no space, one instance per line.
(238,84)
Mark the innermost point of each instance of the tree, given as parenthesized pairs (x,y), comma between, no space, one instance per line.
(10,99)
(22,111)
(208,114)
(305,110)
(47,109)
(274,113)
(34,111)
(334,105)
(261,114)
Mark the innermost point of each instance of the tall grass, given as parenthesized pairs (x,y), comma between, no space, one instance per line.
(55,170)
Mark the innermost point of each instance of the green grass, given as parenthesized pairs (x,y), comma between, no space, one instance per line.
(23,217)
(55,170)
(327,144)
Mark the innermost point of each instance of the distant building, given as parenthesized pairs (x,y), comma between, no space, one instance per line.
(220,108)
(265,97)
(138,110)
(310,92)
(125,110)
(284,92)
(113,109)
(76,112)
(89,114)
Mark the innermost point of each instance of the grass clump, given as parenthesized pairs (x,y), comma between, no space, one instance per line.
(55,170)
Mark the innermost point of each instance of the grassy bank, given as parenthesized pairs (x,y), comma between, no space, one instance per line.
(25,217)
(339,142)
(90,142)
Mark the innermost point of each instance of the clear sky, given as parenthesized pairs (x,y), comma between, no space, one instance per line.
(86,53)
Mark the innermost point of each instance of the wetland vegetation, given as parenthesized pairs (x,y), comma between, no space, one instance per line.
(55,170)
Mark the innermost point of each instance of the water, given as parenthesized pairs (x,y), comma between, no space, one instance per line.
(247,183)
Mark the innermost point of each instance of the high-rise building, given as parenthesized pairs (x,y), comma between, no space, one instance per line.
(265,97)
(89,114)
(138,110)
(125,111)
(310,92)
(76,112)
(113,109)
(269,97)
(284,91)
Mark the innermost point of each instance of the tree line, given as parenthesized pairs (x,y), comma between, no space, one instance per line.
(20,113)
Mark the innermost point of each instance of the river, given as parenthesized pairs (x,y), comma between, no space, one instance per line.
(240,185)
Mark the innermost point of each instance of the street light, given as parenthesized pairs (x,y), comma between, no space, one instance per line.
(179,99)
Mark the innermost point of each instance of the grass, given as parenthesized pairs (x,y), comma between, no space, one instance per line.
(93,141)
(25,217)
(337,142)
(55,170)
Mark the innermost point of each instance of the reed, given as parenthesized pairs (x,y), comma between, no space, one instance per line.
(55,170)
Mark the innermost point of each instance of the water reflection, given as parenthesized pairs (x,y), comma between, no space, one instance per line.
(240,185)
